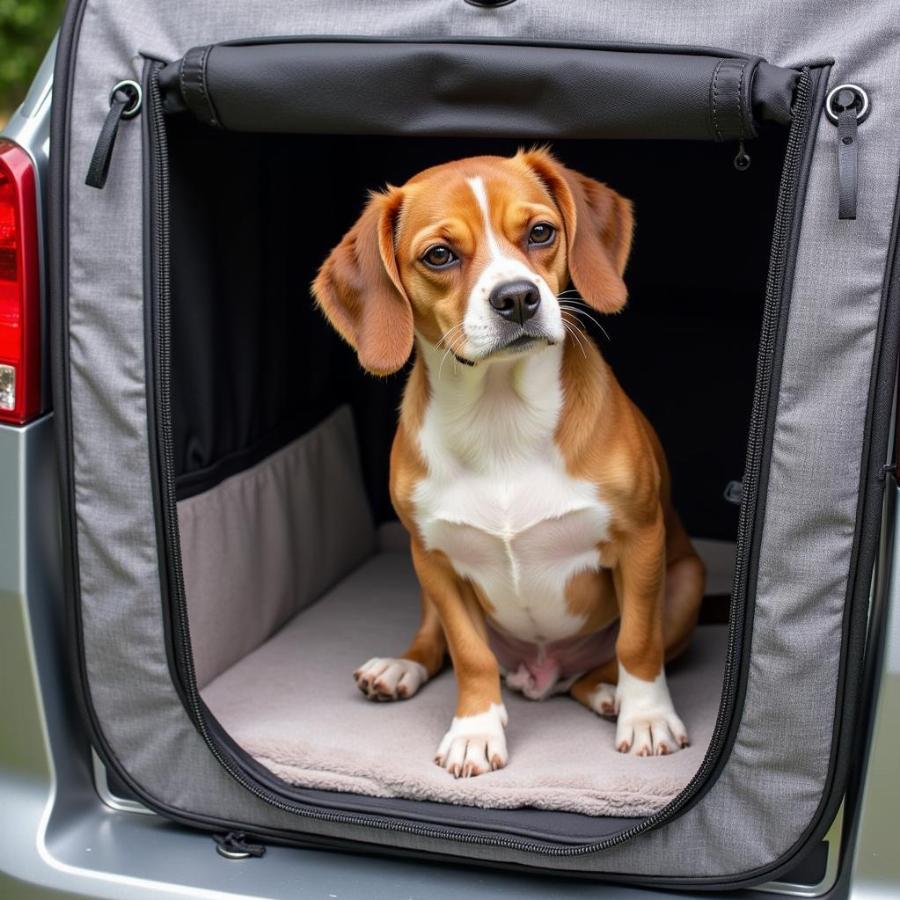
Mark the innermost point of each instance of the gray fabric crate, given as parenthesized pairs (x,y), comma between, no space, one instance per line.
(776,777)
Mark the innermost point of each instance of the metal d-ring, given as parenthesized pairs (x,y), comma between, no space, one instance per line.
(133,90)
(860,93)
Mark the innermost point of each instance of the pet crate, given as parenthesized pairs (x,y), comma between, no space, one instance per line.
(232,552)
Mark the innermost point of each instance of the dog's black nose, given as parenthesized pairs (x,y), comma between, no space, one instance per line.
(517,301)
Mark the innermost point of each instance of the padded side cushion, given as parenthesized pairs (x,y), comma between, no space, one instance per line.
(293,705)
(266,542)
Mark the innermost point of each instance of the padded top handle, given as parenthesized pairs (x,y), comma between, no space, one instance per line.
(476,90)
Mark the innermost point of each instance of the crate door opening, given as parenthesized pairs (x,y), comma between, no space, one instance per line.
(295,569)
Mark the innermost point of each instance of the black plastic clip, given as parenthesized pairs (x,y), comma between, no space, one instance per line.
(734,492)
(887,469)
(235,845)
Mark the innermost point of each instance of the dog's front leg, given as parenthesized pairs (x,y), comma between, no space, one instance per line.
(475,742)
(647,722)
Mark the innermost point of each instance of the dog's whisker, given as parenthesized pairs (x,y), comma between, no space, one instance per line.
(583,312)
(451,334)
(444,357)
(577,302)
(446,335)
(574,324)
(454,343)
(577,340)
(572,330)
(571,316)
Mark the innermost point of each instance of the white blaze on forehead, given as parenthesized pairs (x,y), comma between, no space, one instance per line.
(502,266)
(482,328)
(478,189)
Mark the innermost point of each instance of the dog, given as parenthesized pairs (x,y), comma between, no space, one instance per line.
(535,493)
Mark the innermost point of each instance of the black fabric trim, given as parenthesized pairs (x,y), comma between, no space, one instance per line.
(148,151)
(441,87)
(730,100)
(193,85)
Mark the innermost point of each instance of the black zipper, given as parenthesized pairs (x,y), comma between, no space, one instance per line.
(749,493)
(184,659)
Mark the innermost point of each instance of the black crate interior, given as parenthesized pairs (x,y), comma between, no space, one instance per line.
(255,365)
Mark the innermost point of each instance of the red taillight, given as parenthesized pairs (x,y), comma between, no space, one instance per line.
(20,371)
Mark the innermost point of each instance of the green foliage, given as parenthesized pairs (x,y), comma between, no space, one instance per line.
(26,29)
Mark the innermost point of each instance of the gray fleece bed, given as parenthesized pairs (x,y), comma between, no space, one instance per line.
(293,705)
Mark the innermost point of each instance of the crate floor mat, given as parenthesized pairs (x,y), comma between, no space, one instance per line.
(293,705)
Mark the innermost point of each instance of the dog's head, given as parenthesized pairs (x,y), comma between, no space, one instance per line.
(473,255)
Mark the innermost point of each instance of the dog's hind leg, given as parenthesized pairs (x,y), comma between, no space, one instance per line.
(684,586)
(398,678)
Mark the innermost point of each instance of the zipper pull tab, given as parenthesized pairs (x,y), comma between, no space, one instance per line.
(124,103)
(742,158)
(846,106)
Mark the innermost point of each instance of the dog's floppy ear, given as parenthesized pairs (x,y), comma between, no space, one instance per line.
(599,225)
(359,289)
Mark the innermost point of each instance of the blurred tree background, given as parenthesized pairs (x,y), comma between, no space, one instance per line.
(26,29)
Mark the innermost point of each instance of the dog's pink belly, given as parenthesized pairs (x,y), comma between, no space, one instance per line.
(538,670)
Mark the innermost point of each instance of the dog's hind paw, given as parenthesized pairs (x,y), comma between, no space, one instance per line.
(385,678)
(603,700)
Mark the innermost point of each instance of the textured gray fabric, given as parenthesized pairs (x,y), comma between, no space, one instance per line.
(772,784)
(266,542)
(293,705)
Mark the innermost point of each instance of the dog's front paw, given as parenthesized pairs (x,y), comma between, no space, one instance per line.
(474,744)
(648,724)
(384,678)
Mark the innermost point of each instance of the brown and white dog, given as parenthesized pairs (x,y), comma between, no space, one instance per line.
(535,493)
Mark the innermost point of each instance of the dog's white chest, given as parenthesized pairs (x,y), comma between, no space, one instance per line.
(500,504)
(520,539)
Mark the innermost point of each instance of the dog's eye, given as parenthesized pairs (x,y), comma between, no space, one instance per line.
(439,257)
(541,234)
